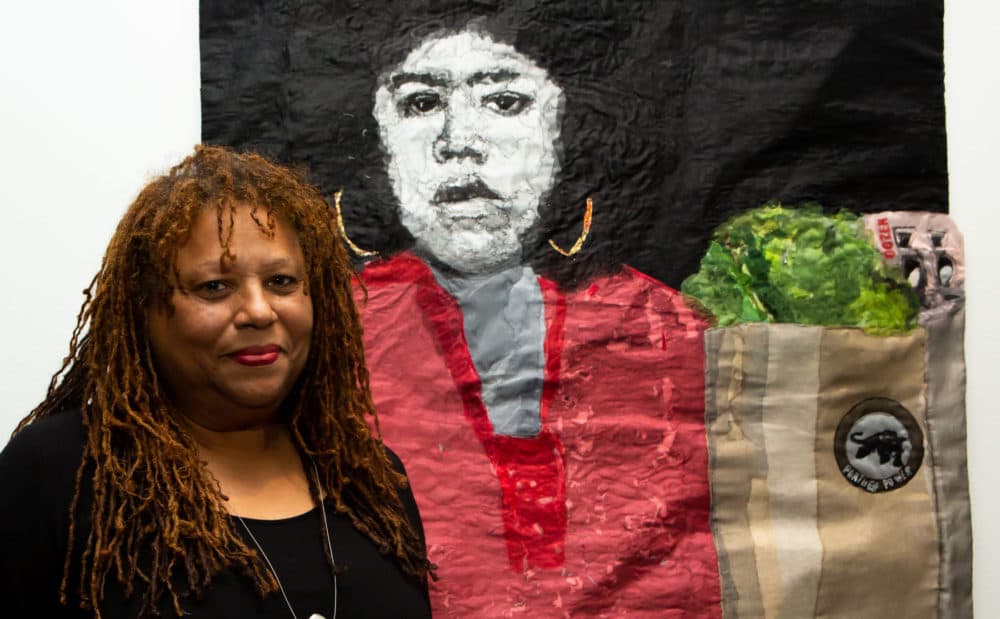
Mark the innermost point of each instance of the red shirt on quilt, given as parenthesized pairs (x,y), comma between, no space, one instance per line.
(606,512)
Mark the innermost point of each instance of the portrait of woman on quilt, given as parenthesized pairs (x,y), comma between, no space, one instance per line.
(551,418)
(206,448)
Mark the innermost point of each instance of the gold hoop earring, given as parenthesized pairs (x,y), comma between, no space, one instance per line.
(587,216)
(364,253)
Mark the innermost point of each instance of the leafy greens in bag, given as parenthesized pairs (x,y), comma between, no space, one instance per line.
(799,265)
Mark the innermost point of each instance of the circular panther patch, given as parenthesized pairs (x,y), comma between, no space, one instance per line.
(878,445)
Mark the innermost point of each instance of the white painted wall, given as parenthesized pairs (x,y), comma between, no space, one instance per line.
(97,96)
(972,96)
(94,97)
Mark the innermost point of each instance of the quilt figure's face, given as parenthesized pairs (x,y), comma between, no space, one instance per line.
(471,127)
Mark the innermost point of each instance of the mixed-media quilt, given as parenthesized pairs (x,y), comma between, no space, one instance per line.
(663,309)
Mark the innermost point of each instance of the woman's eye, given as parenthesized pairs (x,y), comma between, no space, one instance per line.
(212,289)
(283,283)
(507,103)
(420,103)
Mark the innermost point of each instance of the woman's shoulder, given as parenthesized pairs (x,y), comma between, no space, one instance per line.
(406,493)
(38,470)
(38,466)
(54,443)
(394,459)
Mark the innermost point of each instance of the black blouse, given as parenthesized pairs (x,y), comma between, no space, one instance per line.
(37,471)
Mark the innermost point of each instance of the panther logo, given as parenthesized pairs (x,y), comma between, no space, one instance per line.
(887,443)
(879,446)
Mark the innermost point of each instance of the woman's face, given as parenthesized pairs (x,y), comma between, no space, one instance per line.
(238,336)
(470,126)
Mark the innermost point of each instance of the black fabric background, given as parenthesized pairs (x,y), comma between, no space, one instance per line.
(678,114)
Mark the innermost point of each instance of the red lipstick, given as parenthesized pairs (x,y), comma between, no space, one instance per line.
(256,355)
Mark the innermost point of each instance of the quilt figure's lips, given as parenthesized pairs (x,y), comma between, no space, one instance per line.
(464,192)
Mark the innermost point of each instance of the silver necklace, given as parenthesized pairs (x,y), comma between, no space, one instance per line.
(329,545)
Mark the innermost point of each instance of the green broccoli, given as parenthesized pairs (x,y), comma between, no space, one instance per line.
(778,264)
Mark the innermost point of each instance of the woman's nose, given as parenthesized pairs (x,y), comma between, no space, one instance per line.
(460,136)
(255,308)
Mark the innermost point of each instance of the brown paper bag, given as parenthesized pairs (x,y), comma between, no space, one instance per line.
(822,485)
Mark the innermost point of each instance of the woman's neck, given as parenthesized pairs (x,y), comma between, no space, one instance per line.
(258,469)
(240,443)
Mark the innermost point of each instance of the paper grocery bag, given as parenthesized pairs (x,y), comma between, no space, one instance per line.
(823,501)
(930,250)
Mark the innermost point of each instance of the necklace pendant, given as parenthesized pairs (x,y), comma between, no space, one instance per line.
(316,616)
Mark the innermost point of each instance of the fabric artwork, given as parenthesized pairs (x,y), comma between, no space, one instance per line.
(526,184)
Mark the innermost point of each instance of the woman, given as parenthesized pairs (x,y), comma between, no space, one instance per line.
(563,424)
(204,449)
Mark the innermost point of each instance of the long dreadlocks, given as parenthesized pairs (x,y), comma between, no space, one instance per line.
(151,493)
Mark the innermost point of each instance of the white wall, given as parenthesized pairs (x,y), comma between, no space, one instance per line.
(972,96)
(94,97)
(97,96)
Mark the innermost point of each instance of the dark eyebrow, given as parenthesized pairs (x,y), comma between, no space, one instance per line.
(498,75)
(429,79)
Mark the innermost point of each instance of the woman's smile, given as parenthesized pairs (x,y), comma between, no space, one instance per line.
(256,355)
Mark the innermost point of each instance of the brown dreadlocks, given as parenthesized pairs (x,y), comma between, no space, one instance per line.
(151,492)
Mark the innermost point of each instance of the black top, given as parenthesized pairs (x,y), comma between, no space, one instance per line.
(37,472)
